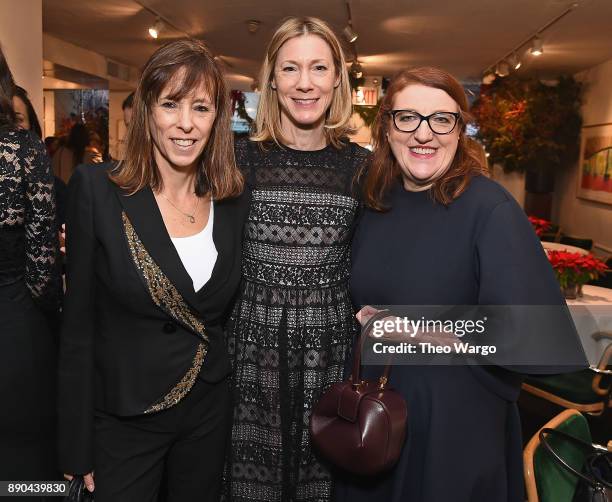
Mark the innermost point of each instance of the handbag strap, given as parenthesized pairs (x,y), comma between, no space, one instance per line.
(598,484)
(361,338)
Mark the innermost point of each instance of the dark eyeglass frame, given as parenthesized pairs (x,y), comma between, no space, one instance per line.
(425,118)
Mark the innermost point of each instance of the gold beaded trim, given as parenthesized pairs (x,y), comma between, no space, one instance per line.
(165,295)
(180,390)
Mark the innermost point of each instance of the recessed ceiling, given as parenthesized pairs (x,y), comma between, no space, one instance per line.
(465,37)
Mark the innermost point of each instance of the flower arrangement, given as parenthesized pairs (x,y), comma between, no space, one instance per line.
(539,225)
(526,124)
(238,100)
(574,269)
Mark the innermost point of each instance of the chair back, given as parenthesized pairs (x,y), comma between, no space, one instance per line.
(547,481)
(578,242)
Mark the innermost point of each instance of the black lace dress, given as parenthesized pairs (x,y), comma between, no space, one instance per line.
(29,296)
(293,321)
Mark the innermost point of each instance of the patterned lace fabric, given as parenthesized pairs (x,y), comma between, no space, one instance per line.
(293,321)
(28,238)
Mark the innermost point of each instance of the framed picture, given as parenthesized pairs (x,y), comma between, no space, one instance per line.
(595,170)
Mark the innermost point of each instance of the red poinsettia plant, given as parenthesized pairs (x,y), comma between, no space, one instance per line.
(539,225)
(575,268)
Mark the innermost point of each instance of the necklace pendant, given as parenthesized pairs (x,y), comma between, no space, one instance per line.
(191,219)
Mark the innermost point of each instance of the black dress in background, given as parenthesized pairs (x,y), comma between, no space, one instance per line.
(293,321)
(464,435)
(29,296)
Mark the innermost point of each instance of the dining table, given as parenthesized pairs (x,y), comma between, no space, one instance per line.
(592,315)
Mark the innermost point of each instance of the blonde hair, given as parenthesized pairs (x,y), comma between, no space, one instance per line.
(267,125)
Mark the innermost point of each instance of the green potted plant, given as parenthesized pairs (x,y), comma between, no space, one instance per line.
(532,127)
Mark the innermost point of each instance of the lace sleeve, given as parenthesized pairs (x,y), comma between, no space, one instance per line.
(42,271)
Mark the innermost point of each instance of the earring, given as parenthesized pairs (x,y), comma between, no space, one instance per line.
(272,86)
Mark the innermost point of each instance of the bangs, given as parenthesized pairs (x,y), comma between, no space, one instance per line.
(181,80)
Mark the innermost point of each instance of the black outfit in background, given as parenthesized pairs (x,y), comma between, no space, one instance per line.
(464,435)
(136,340)
(60,198)
(29,296)
(293,321)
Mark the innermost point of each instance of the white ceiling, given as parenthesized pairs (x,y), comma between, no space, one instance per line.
(463,36)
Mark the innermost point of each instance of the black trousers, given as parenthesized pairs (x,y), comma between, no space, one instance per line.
(28,357)
(186,442)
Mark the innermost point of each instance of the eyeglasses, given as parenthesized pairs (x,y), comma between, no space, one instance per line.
(439,122)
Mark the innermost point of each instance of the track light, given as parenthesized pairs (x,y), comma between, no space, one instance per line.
(349,34)
(156,29)
(488,77)
(502,69)
(536,47)
(514,61)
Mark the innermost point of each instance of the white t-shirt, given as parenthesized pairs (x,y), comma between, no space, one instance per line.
(198,252)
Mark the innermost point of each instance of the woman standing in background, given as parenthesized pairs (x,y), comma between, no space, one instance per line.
(29,297)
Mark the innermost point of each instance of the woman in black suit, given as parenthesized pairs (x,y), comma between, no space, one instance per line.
(153,250)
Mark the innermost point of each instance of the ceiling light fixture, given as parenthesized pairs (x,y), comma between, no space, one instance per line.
(488,77)
(502,69)
(349,33)
(536,47)
(253,25)
(534,41)
(515,61)
(156,29)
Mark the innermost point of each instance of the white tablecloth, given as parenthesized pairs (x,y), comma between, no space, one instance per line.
(592,314)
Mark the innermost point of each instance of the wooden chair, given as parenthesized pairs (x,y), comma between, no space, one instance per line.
(553,234)
(545,480)
(579,242)
(605,281)
(589,390)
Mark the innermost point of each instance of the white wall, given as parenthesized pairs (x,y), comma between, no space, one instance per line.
(116,127)
(513,182)
(21,41)
(49,115)
(578,216)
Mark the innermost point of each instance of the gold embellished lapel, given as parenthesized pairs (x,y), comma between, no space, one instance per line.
(146,220)
(166,296)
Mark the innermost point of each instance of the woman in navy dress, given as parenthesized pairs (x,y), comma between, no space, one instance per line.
(437,231)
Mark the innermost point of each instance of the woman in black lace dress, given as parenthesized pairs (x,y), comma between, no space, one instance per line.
(293,320)
(29,290)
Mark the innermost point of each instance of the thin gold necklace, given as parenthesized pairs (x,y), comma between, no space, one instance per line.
(190,217)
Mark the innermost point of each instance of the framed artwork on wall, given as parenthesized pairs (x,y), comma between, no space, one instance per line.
(595,170)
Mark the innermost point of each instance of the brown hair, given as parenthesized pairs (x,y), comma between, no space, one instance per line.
(267,123)
(184,65)
(383,170)
(7,91)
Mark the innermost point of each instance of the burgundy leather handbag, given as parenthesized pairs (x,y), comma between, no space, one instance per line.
(358,425)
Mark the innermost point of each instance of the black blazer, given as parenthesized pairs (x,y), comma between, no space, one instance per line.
(135,334)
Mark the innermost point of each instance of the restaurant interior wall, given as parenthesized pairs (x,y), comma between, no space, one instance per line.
(21,40)
(116,126)
(577,216)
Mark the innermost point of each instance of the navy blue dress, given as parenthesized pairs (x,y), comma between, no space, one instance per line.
(464,435)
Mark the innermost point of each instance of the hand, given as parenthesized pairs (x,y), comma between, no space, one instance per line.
(363,316)
(87,478)
(62,239)
(396,329)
